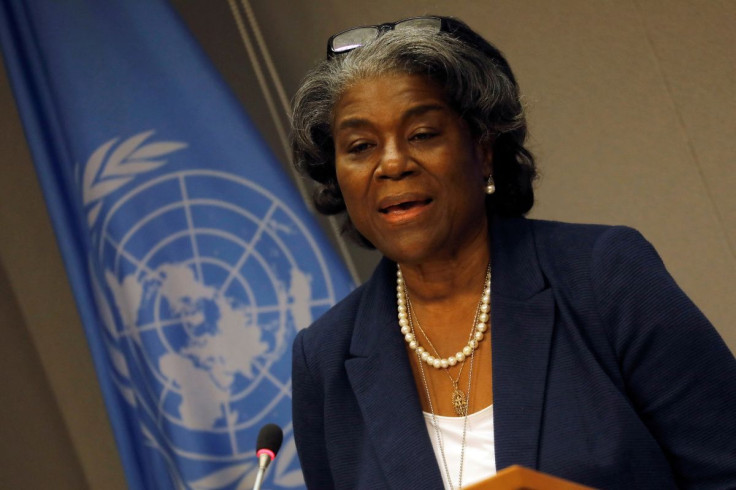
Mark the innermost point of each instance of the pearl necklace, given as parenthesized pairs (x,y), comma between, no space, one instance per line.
(481,325)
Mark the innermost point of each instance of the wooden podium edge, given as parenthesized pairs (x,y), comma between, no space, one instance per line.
(519,478)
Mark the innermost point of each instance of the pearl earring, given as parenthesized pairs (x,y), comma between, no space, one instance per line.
(490,186)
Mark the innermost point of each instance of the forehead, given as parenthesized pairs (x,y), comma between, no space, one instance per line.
(387,94)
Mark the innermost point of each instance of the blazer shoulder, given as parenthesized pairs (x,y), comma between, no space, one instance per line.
(576,246)
(579,235)
(583,262)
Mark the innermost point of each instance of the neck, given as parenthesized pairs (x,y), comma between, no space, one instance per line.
(446,279)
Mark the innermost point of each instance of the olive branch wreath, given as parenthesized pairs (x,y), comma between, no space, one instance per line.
(109,169)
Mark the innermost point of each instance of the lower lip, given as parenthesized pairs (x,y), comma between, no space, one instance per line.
(399,216)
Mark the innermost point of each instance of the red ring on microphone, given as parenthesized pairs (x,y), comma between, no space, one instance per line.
(270,453)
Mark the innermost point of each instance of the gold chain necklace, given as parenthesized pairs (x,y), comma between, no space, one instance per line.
(480,325)
(459,398)
(437,427)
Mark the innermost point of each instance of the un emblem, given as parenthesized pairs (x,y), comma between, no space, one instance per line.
(202,278)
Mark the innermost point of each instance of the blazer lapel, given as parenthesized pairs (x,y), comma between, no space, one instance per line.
(383,383)
(522,315)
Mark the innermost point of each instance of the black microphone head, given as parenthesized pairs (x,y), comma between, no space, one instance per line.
(270,437)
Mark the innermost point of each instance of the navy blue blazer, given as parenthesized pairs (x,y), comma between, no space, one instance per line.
(604,373)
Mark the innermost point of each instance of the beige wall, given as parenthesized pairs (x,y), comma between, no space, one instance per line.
(633,111)
(54,432)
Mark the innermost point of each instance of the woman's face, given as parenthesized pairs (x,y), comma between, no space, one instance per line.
(410,172)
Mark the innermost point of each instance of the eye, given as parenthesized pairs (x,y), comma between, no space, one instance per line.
(359,147)
(423,135)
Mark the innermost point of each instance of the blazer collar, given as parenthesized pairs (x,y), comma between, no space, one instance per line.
(516,270)
(522,320)
(522,315)
(384,386)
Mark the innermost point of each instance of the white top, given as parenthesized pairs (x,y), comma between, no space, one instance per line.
(480,454)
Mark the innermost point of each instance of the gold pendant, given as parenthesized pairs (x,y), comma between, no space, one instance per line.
(459,402)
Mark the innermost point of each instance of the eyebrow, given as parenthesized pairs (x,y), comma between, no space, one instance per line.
(357,122)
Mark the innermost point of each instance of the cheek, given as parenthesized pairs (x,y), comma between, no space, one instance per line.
(344,184)
(353,191)
(353,183)
(468,187)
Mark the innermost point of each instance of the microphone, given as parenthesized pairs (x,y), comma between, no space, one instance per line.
(267,445)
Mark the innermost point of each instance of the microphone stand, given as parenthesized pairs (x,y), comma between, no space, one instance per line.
(264,459)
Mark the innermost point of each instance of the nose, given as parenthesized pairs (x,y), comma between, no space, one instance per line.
(395,162)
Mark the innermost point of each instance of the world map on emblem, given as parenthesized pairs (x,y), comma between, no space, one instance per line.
(208,277)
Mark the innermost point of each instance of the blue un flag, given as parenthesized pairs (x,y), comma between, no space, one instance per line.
(192,258)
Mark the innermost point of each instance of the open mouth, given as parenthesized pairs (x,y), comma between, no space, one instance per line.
(404,206)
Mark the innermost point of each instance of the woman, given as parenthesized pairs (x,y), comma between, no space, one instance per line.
(484,339)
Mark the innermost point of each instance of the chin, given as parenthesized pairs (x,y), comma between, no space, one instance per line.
(407,250)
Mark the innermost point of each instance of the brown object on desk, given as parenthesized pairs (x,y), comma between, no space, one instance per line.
(520,478)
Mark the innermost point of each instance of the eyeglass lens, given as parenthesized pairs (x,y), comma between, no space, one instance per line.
(359,36)
(421,23)
(353,38)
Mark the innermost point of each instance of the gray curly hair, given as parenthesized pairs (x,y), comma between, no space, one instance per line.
(479,86)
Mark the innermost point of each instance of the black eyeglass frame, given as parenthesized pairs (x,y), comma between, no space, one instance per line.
(450,25)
